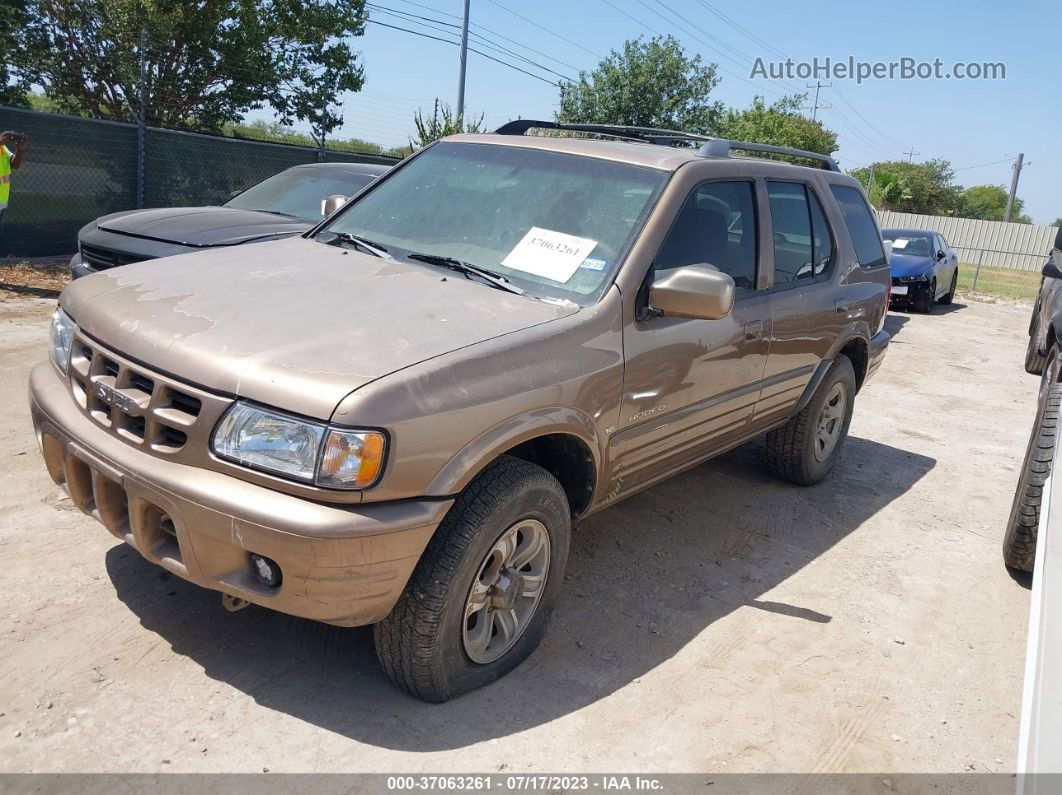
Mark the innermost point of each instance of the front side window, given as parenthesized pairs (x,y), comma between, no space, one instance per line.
(716,226)
(861,226)
(555,225)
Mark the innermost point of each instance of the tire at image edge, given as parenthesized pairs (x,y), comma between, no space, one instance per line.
(1019,541)
(419,644)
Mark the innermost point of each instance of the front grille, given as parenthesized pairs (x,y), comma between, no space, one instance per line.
(137,405)
(101,259)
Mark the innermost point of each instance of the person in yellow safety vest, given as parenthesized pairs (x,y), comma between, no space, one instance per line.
(8,161)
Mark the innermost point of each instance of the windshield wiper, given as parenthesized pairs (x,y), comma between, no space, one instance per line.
(362,243)
(467,268)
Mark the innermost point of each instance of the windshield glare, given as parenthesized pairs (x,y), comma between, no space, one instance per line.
(554,224)
(915,246)
(299,191)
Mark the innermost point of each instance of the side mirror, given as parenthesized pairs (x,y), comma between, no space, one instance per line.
(940,254)
(1051,270)
(695,291)
(1058,239)
(332,203)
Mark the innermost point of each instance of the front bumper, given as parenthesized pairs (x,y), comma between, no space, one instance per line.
(343,565)
(79,268)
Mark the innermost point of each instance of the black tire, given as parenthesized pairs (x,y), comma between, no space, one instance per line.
(790,449)
(1034,360)
(420,644)
(1019,542)
(949,296)
(926,298)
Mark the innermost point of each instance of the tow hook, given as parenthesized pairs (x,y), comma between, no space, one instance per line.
(233,603)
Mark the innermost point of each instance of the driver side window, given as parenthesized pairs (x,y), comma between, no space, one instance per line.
(716,226)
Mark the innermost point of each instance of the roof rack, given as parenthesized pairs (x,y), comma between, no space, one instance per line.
(710,147)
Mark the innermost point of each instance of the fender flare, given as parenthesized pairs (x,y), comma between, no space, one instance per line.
(474,457)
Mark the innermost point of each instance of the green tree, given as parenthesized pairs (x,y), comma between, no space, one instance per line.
(1056,222)
(207,62)
(647,84)
(14,86)
(989,203)
(779,124)
(926,188)
(441,123)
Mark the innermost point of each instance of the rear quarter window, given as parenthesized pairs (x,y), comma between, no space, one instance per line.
(861,226)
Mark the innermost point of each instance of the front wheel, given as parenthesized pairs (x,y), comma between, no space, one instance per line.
(927,298)
(804,450)
(949,296)
(481,596)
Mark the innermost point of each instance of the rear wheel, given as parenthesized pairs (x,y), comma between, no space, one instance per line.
(1019,542)
(949,296)
(804,450)
(480,598)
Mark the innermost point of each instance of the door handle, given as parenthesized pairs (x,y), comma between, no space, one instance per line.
(753,331)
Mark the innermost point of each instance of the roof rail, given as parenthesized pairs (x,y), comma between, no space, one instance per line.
(710,147)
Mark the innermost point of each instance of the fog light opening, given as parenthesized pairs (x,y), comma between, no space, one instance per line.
(266,571)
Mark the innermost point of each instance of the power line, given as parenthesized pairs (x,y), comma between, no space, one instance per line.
(408,17)
(982,165)
(457,44)
(545,29)
(496,34)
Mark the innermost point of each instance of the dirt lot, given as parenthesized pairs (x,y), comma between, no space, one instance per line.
(722,621)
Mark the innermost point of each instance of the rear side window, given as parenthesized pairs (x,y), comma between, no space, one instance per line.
(716,226)
(791,219)
(861,227)
(803,246)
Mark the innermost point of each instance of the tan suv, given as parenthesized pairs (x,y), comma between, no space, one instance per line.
(396,418)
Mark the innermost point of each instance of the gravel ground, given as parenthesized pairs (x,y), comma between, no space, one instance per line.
(721,621)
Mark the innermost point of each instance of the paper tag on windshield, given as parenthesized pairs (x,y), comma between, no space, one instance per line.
(552,255)
(899,243)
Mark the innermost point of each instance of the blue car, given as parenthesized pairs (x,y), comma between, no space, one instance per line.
(925,269)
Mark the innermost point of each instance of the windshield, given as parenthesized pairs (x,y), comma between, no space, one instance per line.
(299,191)
(555,225)
(912,245)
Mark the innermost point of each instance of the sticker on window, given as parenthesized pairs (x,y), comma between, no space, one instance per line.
(900,242)
(594,264)
(552,255)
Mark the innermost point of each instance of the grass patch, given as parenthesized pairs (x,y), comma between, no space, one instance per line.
(1004,282)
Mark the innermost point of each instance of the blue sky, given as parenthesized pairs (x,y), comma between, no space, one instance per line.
(968,122)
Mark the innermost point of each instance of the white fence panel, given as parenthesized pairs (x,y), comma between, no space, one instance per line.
(994,243)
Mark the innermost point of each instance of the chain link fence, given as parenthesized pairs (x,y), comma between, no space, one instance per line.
(1021,279)
(78,169)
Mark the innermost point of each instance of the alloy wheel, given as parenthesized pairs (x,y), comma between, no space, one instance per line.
(506,591)
(830,425)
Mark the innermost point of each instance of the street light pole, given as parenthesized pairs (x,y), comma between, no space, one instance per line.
(464,60)
(1013,185)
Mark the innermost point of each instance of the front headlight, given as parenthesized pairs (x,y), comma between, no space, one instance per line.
(293,447)
(62,338)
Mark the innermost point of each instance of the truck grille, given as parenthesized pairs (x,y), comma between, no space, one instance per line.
(141,407)
(101,259)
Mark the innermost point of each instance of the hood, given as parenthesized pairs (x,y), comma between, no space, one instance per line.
(294,323)
(907,265)
(202,226)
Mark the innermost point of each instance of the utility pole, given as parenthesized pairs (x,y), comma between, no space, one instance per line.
(1014,185)
(911,153)
(815,107)
(140,120)
(464,60)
